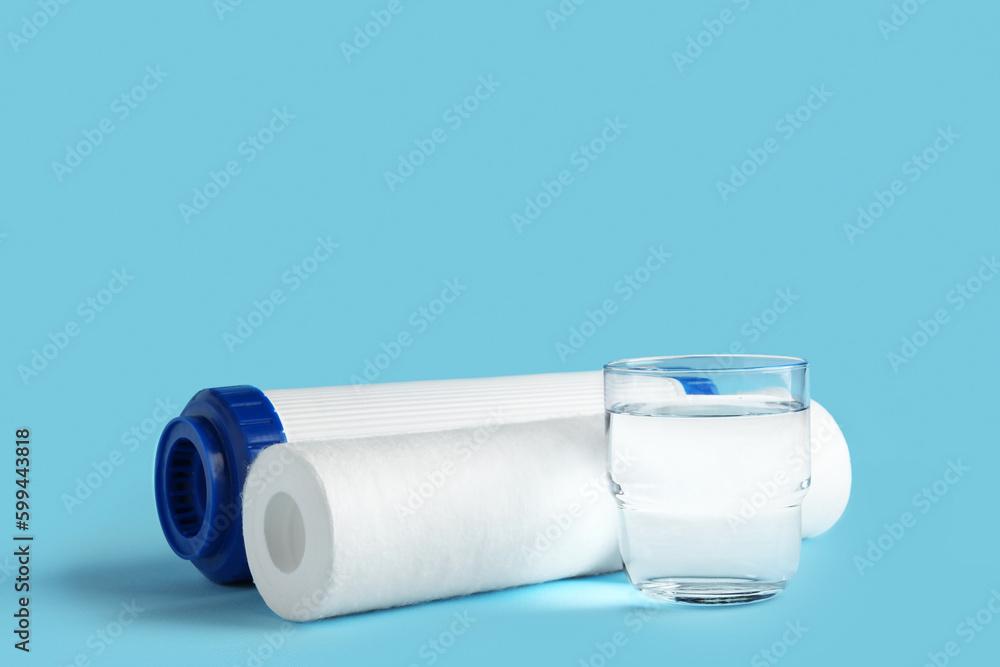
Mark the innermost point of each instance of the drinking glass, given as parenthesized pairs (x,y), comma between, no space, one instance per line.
(708,458)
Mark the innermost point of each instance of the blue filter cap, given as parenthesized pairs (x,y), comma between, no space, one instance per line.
(201,465)
(698,386)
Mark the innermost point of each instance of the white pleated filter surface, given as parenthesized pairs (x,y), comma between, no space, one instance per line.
(393,494)
(433,405)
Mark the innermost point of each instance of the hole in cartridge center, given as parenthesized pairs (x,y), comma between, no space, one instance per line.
(284,532)
(187,494)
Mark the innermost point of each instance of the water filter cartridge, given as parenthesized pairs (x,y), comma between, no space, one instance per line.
(342,526)
(204,455)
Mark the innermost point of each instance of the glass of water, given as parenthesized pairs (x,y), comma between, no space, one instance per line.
(709,461)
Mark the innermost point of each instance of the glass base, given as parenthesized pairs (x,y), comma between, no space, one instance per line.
(709,590)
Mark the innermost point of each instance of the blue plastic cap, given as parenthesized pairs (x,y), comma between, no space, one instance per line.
(201,465)
(698,386)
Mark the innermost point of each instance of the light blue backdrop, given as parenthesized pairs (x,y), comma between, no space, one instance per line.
(201,152)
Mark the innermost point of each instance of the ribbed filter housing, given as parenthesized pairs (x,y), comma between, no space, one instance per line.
(418,407)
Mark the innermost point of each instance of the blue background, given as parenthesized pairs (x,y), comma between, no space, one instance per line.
(323,175)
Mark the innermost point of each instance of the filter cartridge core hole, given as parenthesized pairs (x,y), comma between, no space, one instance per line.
(284,532)
(187,494)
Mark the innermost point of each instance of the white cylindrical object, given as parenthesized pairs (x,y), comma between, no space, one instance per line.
(341,526)
(831,474)
(433,405)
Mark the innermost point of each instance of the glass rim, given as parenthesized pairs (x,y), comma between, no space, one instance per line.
(655,365)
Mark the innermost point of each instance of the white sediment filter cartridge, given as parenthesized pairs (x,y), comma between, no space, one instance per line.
(341,526)
(831,473)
